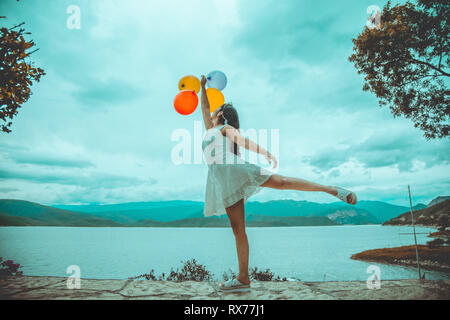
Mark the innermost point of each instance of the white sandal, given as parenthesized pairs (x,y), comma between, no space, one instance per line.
(343,194)
(234,285)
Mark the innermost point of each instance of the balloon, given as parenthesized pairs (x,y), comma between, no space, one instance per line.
(189,83)
(185,102)
(215,98)
(217,79)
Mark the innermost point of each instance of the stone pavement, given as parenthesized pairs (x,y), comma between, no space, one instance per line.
(50,288)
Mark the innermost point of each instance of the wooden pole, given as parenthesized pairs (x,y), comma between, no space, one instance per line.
(414,230)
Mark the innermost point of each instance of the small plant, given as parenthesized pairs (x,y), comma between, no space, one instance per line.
(229,275)
(191,271)
(146,276)
(9,268)
(254,274)
(266,275)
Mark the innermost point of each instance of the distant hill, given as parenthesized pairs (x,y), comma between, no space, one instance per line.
(364,212)
(136,211)
(430,216)
(381,210)
(419,206)
(190,213)
(24,213)
(251,221)
(173,210)
(260,220)
(351,216)
(438,200)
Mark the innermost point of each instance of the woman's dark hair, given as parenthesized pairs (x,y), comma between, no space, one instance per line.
(230,116)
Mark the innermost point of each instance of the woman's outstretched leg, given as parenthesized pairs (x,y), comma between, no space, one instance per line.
(236,215)
(288,183)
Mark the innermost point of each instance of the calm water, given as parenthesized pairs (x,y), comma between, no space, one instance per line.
(306,253)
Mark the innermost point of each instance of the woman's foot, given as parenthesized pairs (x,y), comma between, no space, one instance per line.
(245,279)
(234,285)
(345,195)
(241,282)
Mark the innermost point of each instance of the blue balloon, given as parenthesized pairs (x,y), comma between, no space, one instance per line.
(216,79)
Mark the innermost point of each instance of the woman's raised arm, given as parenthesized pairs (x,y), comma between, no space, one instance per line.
(248,144)
(205,106)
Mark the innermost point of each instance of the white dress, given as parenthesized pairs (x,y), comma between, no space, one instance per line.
(230,178)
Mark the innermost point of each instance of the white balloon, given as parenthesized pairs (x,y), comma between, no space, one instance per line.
(216,79)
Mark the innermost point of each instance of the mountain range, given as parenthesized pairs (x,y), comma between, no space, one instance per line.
(436,214)
(190,214)
(24,213)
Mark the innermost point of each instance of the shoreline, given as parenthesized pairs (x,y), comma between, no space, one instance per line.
(291,280)
(55,288)
(424,265)
(430,259)
(215,227)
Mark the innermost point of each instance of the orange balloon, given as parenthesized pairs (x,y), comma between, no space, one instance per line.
(189,83)
(215,98)
(185,102)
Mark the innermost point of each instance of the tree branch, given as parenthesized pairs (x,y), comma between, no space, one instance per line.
(28,54)
(420,78)
(16,26)
(431,66)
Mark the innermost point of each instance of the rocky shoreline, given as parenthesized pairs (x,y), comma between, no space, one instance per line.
(55,288)
(435,259)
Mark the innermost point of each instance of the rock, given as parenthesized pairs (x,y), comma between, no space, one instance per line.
(54,288)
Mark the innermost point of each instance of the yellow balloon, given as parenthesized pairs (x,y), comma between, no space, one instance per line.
(215,98)
(189,83)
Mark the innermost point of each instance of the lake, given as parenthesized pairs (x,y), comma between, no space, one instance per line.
(303,253)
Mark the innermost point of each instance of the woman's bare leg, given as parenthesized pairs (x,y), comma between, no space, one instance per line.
(236,215)
(288,183)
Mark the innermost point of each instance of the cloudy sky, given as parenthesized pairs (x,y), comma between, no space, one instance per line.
(98,126)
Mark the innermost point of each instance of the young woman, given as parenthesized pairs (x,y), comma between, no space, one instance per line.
(231,180)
